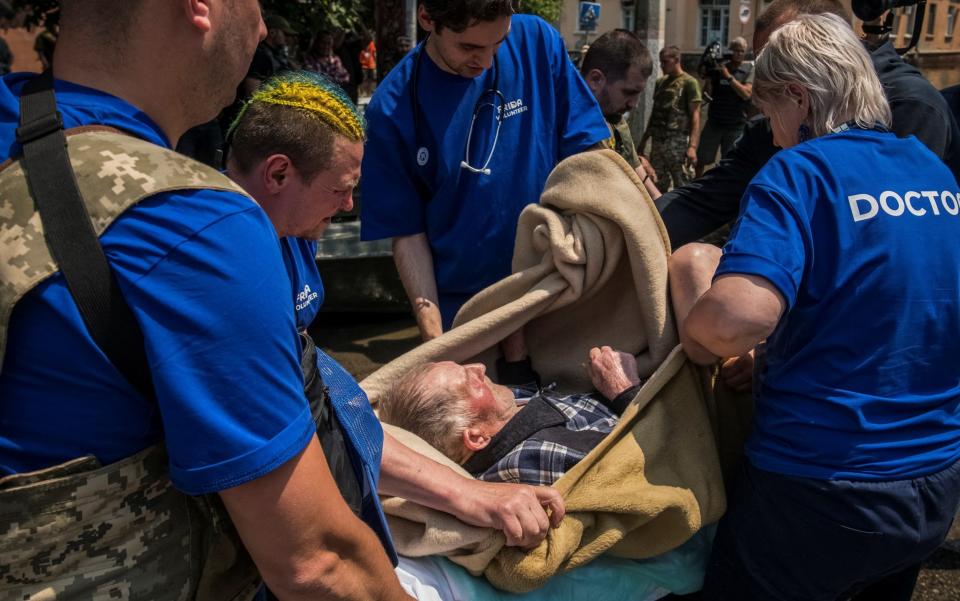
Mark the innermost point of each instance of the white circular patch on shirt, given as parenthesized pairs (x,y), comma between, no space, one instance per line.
(423,155)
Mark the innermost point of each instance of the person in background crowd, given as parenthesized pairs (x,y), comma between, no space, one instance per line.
(674,125)
(368,61)
(277,45)
(730,89)
(270,58)
(616,68)
(952,96)
(851,476)
(6,57)
(442,176)
(347,46)
(712,201)
(321,59)
(45,45)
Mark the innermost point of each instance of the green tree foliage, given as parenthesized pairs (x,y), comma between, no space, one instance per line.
(305,15)
(548,10)
(314,15)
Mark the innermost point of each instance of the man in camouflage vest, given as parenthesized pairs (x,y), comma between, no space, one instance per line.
(674,125)
(107,492)
(616,69)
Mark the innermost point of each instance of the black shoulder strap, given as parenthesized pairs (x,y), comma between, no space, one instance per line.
(69,233)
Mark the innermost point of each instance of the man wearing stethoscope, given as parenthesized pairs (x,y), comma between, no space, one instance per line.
(462,135)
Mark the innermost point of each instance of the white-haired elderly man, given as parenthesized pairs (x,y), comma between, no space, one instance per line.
(506,434)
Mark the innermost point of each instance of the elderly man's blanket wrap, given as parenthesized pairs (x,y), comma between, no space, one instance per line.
(590,268)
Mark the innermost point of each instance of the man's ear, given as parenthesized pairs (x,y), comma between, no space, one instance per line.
(276,171)
(595,79)
(198,11)
(423,17)
(475,440)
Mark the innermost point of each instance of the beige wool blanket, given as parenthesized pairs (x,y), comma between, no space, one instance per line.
(590,269)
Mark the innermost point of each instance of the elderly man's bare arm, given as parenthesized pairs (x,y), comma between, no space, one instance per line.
(520,511)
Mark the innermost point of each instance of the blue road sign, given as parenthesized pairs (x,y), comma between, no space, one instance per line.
(589,16)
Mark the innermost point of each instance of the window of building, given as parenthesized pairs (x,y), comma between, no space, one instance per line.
(951,21)
(630,17)
(714,22)
(931,19)
(908,17)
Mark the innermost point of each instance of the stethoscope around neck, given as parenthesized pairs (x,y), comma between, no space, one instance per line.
(488,98)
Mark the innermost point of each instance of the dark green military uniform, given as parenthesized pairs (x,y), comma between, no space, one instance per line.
(675,99)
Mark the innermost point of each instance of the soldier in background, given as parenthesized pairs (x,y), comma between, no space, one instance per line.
(674,125)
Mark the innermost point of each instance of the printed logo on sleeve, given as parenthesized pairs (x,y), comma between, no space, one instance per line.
(305,297)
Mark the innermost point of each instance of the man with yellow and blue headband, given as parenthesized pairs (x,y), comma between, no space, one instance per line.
(296,147)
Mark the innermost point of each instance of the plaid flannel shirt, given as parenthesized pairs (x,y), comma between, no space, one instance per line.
(542,462)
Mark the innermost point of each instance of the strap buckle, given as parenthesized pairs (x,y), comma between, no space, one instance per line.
(46,125)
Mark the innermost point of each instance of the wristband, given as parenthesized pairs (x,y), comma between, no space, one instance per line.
(645,178)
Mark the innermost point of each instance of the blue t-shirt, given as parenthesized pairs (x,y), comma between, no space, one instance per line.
(471,219)
(300,258)
(858,231)
(204,275)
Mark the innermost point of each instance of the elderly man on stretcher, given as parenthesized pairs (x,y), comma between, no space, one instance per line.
(589,271)
(523,434)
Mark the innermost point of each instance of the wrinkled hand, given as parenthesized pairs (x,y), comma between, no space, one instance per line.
(518,510)
(612,371)
(737,372)
(648,168)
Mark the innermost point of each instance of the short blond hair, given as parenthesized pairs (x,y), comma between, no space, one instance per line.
(822,54)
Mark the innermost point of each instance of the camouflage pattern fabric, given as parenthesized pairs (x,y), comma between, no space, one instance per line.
(114,171)
(621,142)
(79,531)
(672,100)
(668,156)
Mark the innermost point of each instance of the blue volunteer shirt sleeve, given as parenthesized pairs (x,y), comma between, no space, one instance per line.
(390,205)
(222,345)
(768,241)
(580,123)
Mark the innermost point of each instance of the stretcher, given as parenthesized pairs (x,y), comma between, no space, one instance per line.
(590,269)
(606,579)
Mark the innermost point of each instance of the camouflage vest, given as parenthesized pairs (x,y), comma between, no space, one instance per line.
(621,142)
(81,530)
